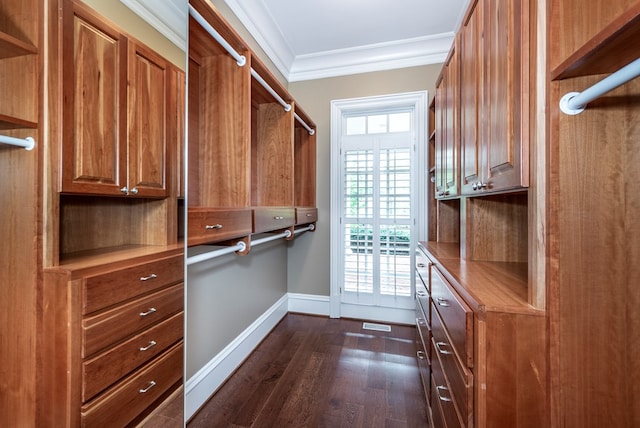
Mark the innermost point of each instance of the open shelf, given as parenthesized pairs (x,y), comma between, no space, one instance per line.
(11,47)
(615,46)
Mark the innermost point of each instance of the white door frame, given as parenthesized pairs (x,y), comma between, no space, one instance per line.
(418,102)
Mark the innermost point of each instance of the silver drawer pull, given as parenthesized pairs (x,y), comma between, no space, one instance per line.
(278,217)
(213,226)
(440,345)
(442,388)
(421,293)
(149,346)
(147,278)
(421,265)
(420,355)
(443,302)
(148,312)
(151,385)
(309,215)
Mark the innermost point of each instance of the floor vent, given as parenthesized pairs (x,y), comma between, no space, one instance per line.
(374,326)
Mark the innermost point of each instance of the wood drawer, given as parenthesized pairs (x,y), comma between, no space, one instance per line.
(105,290)
(107,368)
(422,267)
(128,399)
(107,328)
(423,345)
(441,397)
(207,225)
(456,316)
(306,215)
(268,219)
(460,378)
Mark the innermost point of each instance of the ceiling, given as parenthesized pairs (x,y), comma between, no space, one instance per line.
(312,39)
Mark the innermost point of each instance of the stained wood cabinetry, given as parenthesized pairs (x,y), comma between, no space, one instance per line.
(116,111)
(251,167)
(598,149)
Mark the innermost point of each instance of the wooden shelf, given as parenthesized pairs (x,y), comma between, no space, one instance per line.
(10,122)
(11,47)
(609,50)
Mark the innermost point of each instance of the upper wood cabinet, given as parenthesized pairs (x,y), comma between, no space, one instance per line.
(447,144)
(494,70)
(116,110)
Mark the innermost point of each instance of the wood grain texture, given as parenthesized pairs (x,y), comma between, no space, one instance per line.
(304,178)
(448,221)
(315,371)
(593,270)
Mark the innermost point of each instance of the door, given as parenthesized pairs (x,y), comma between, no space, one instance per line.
(375,204)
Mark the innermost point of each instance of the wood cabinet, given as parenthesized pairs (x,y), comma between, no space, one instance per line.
(116,111)
(494,107)
(593,195)
(447,144)
(112,339)
(251,164)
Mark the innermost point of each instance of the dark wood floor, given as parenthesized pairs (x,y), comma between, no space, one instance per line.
(320,372)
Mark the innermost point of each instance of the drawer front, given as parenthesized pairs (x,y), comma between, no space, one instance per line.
(455,314)
(441,396)
(123,403)
(460,378)
(422,298)
(424,362)
(272,218)
(211,225)
(104,290)
(107,368)
(306,215)
(107,328)
(422,267)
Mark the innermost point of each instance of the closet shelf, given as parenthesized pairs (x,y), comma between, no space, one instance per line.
(11,122)
(609,50)
(11,47)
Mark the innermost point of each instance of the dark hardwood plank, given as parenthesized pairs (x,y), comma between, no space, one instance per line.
(319,372)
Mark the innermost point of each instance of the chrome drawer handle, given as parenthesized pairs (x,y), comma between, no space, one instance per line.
(421,265)
(151,385)
(213,226)
(439,346)
(149,346)
(149,312)
(278,217)
(442,388)
(421,293)
(443,302)
(147,278)
(309,215)
(420,355)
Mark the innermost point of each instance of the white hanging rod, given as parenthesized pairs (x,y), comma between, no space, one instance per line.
(304,229)
(303,123)
(240,59)
(575,102)
(28,143)
(286,105)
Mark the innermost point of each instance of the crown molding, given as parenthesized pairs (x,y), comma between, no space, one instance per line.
(168,17)
(362,59)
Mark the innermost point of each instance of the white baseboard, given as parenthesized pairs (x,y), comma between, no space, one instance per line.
(309,304)
(376,313)
(201,386)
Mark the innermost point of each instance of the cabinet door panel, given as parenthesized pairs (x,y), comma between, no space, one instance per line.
(148,114)
(94,146)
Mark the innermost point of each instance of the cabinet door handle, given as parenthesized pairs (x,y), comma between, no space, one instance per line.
(151,385)
(420,355)
(442,388)
(125,190)
(147,278)
(148,312)
(440,345)
(442,302)
(213,226)
(149,346)
(134,190)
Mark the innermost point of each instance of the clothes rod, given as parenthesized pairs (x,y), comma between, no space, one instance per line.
(285,234)
(27,143)
(241,59)
(240,246)
(304,229)
(286,105)
(575,102)
(303,123)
